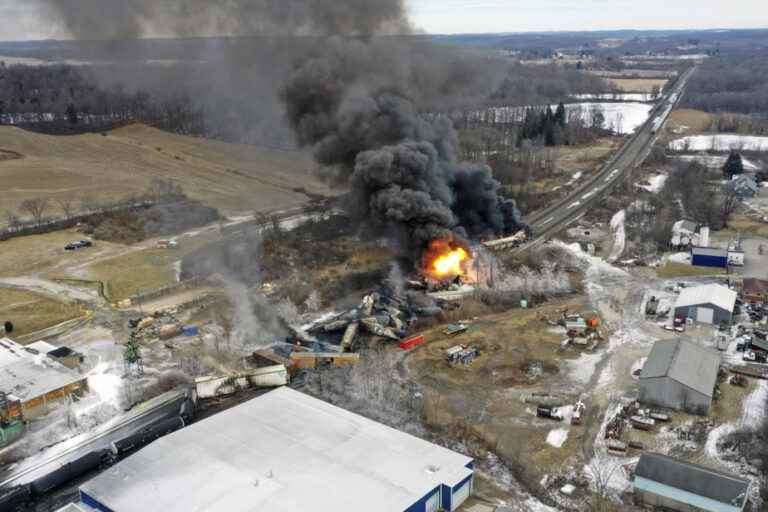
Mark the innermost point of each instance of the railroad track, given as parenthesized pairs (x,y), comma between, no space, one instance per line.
(632,153)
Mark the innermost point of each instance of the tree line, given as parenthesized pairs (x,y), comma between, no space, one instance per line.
(732,83)
(65,96)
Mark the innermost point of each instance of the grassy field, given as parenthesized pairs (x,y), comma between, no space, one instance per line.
(231,177)
(741,224)
(31,312)
(41,253)
(638,84)
(143,270)
(673,269)
(687,120)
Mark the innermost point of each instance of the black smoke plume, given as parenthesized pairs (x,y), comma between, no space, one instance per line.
(401,164)
(132,19)
(359,101)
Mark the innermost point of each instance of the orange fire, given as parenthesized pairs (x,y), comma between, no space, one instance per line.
(444,259)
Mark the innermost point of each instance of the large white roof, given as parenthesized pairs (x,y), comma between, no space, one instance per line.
(715,294)
(281,452)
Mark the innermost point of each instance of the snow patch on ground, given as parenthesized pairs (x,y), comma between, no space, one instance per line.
(576,177)
(620,118)
(720,142)
(679,257)
(626,96)
(557,437)
(754,406)
(582,369)
(717,161)
(619,235)
(655,183)
(595,265)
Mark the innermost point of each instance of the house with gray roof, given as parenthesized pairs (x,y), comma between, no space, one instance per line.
(671,484)
(744,186)
(680,375)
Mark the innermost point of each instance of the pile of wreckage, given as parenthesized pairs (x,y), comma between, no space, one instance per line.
(161,324)
(333,339)
(633,415)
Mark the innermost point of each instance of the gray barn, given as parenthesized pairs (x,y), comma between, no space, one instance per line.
(680,375)
(671,484)
(709,304)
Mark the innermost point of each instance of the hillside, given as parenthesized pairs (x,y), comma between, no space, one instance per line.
(231,177)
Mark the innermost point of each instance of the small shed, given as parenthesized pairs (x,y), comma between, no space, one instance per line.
(709,257)
(680,375)
(708,304)
(671,484)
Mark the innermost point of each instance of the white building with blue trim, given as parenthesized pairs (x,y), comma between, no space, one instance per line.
(281,452)
(672,484)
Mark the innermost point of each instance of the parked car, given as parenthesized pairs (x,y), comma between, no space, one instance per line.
(80,244)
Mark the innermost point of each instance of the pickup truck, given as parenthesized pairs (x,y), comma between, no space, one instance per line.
(80,244)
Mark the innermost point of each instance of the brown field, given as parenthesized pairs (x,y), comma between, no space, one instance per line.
(230,177)
(687,120)
(741,224)
(484,398)
(31,312)
(637,84)
(40,253)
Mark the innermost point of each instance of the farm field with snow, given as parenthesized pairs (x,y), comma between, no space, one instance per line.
(720,143)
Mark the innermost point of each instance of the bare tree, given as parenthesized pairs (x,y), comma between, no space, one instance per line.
(35,207)
(67,207)
(12,219)
(90,204)
(730,201)
(600,471)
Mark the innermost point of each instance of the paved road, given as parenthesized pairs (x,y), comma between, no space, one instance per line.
(633,152)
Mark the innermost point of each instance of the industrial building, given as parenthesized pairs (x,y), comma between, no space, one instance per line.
(680,375)
(708,304)
(36,380)
(671,484)
(709,257)
(285,451)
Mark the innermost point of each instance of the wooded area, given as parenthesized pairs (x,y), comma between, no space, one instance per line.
(733,83)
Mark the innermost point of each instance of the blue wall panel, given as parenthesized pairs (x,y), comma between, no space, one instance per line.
(421,505)
(91,502)
(709,261)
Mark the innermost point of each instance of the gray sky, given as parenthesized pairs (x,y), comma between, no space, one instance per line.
(21,21)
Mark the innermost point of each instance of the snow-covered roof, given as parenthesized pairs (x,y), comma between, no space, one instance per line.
(684,226)
(281,452)
(685,362)
(42,346)
(714,294)
(28,374)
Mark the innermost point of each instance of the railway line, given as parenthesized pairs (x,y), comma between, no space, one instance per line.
(548,222)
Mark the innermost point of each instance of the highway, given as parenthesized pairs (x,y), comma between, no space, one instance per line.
(632,153)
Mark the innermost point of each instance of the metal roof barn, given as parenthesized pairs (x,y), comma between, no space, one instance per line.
(680,375)
(711,304)
(281,452)
(676,485)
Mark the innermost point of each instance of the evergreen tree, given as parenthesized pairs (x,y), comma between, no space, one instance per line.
(71,114)
(733,166)
(560,115)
